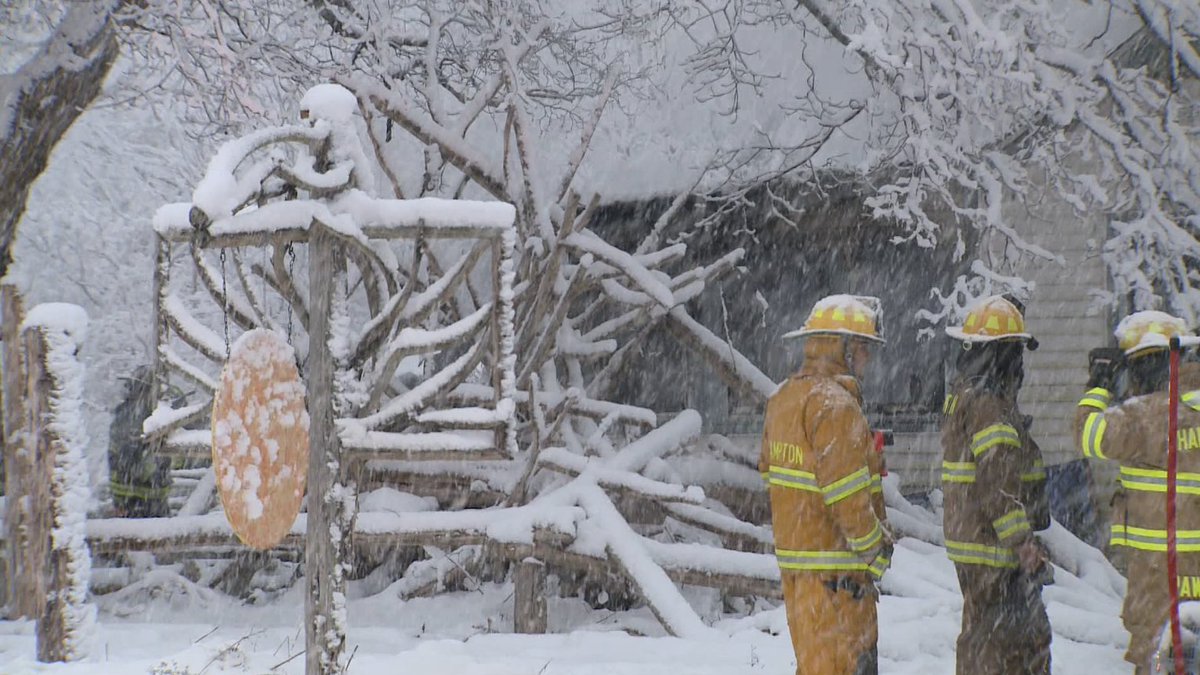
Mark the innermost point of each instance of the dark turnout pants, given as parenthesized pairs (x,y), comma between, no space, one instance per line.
(1005,629)
(1148,604)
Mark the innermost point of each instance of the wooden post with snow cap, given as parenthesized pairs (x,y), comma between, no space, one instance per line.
(325,602)
(324,628)
(529,597)
(56,439)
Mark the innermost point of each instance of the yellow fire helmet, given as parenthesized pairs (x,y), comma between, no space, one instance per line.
(843,315)
(1142,332)
(990,319)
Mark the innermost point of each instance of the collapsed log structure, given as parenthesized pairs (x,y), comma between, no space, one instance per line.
(442,341)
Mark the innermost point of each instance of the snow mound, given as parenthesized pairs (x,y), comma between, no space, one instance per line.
(332,102)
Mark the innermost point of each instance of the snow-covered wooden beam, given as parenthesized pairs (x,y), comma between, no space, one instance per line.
(441,571)
(736,534)
(646,313)
(469,444)
(679,430)
(726,575)
(628,550)
(591,408)
(187,444)
(618,474)
(461,483)
(201,496)
(653,284)
(173,361)
(625,482)
(463,418)
(436,528)
(218,287)
(288,221)
(412,341)
(427,217)
(734,572)
(164,419)
(195,334)
(422,446)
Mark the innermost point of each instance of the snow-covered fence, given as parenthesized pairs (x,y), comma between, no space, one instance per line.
(59,563)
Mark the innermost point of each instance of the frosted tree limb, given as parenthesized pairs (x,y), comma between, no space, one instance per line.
(43,98)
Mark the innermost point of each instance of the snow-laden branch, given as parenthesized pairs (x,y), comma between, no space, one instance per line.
(980,96)
(1168,20)
(43,98)
(647,281)
(453,147)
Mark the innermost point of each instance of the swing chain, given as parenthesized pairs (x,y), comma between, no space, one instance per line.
(291,255)
(224,304)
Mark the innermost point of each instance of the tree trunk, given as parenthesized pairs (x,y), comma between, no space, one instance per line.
(41,101)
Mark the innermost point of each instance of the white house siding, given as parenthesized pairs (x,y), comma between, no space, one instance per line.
(1063,315)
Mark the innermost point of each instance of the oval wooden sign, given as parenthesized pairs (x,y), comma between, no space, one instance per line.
(260,438)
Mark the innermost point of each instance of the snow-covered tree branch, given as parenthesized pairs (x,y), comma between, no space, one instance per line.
(43,98)
(973,105)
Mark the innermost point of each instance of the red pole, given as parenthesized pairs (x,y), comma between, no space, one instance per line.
(1172,462)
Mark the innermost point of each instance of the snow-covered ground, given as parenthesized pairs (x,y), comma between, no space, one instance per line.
(195,630)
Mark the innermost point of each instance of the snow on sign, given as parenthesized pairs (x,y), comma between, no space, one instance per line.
(260,438)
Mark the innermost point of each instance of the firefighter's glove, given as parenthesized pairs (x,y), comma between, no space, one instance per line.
(1034,560)
(1045,575)
(882,561)
(1104,363)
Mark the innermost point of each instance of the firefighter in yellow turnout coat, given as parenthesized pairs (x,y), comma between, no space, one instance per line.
(993,482)
(831,536)
(1134,434)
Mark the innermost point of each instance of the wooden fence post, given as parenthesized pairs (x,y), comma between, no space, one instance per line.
(324,605)
(529,597)
(37,435)
(18,464)
(37,448)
